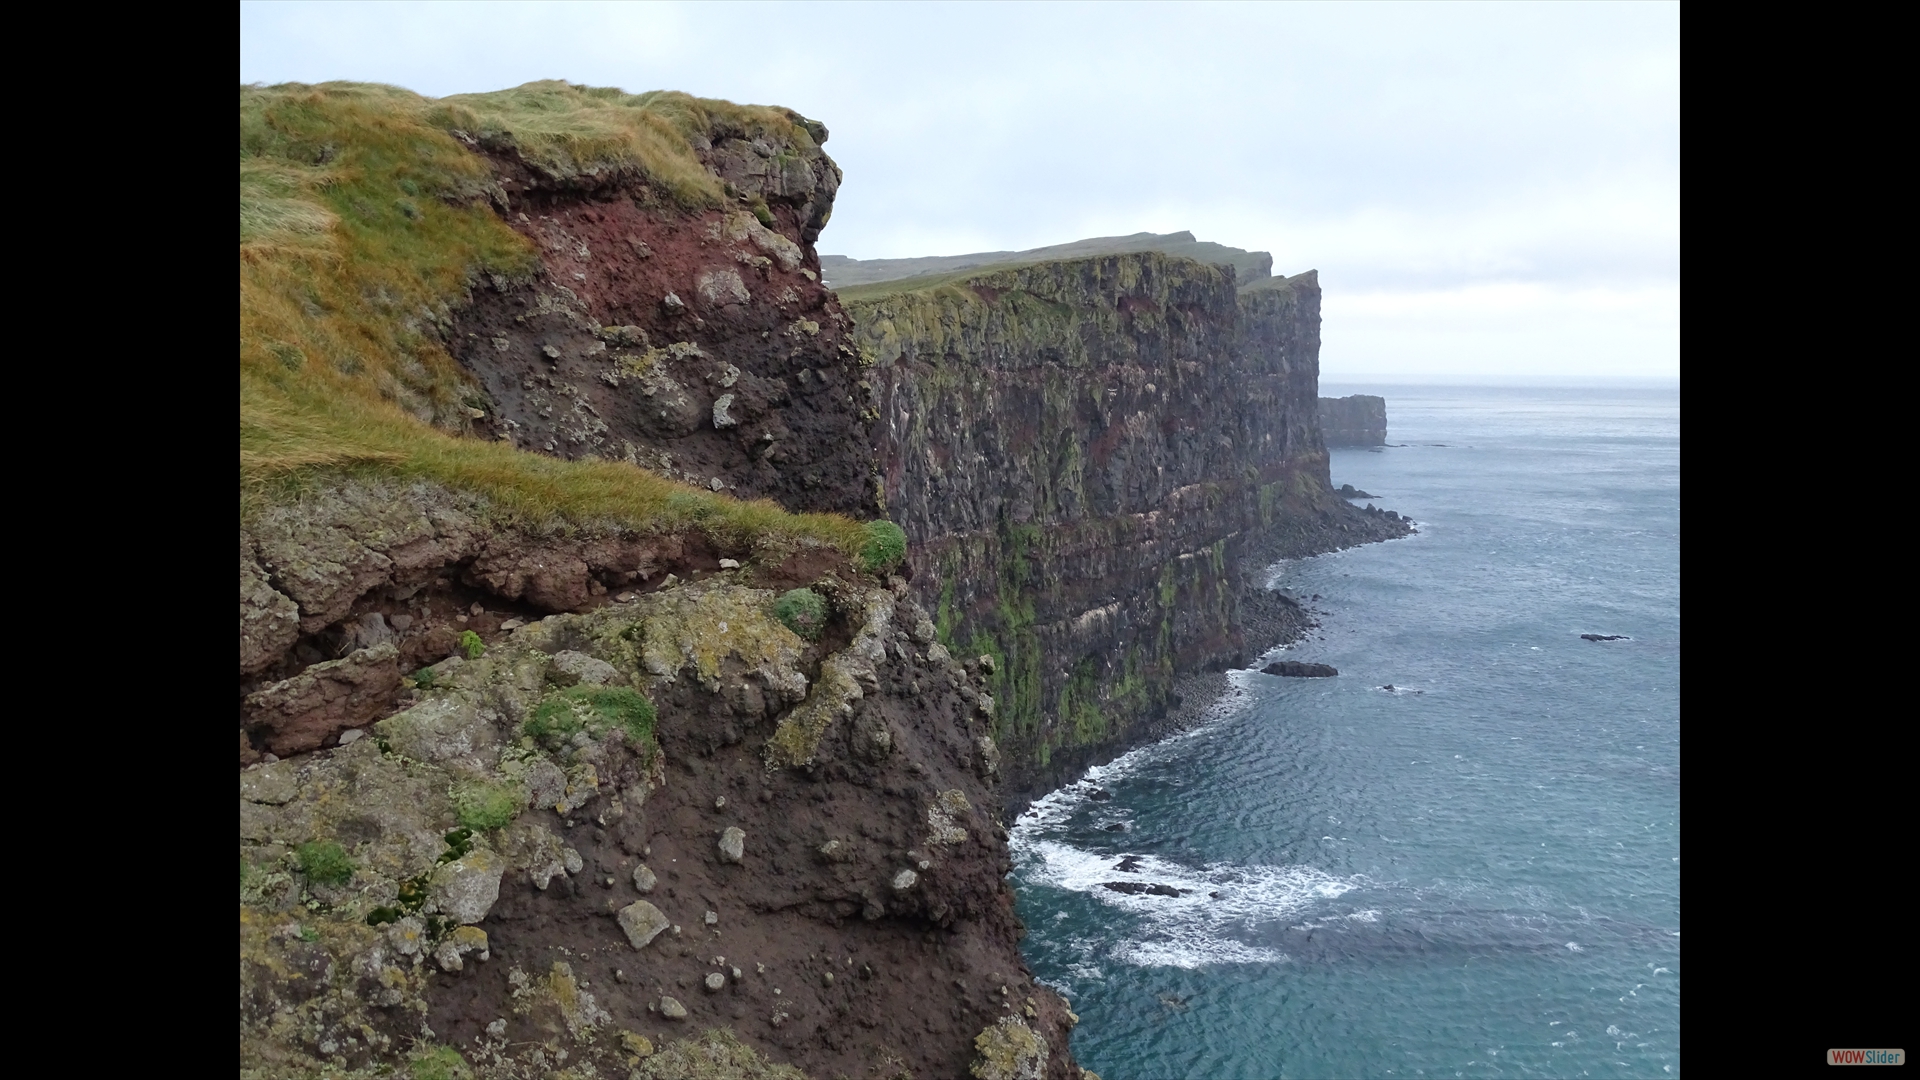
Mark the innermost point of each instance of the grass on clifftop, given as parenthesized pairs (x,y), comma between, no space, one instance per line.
(364,218)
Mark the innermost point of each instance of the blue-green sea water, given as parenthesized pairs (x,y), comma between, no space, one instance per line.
(1475,873)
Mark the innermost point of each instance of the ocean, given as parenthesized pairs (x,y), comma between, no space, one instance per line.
(1473,873)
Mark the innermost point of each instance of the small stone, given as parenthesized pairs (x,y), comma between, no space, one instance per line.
(826,978)
(497,1029)
(720,803)
(904,880)
(476,609)
(619,975)
(402,622)
(673,304)
(711,918)
(550,352)
(987,663)
(644,879)
(717,484)
(672,1009)
(729,564)
(715,982)
(572,858)
(737,973)
(350,736)
(642,922)
(732,844)
(722,419)
(635,1044)
(513,624)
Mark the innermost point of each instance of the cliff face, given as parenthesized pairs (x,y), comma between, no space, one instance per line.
(700,346)
(1355,420)
(530,793)
(1090,458)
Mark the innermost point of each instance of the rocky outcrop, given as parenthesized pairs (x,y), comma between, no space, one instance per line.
(1354,420)
(1091,459)
(698,344)
(573,843)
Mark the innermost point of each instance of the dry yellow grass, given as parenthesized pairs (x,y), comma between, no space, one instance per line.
(363,220)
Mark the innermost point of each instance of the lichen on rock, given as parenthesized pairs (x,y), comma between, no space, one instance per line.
(1010,1050)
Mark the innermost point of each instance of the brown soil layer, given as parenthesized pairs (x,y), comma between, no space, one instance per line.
(914,977)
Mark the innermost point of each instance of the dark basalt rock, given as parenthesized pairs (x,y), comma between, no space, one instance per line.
(1129,865)
(1348,491)
(1101,795)
(1605,637)
(1294,669)
(1142,888)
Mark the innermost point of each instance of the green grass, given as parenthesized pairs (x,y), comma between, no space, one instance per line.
(884,546)
(483,806)
(439,1063)
(324,862)
(802,611)
(594,710)
(471,644)
(364,219)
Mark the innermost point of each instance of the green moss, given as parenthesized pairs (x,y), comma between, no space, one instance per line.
(717,1054)
(884,546)
(594,710)
(471,644)
(482,805)
(439,1063)
(802,611)
(324,862)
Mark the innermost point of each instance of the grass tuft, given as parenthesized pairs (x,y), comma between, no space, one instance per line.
(802,611)
(324,862)
(883,545)
(594,710)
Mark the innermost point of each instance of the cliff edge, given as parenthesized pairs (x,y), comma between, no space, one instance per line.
(584,731)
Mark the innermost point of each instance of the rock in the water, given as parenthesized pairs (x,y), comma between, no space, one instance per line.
(1142,888)
(644,879)
(1100,795)
(672,1009)
(733,844)
(1294,669)
(642,922)
(1129,865)
(1604,637)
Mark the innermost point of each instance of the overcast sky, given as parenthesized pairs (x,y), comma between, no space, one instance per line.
(1488,190)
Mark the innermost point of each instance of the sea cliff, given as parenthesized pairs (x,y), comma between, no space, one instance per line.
(593,719)
(1354,420)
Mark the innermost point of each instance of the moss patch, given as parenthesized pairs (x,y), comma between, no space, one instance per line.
(594,710)
(324,862)
(802,611)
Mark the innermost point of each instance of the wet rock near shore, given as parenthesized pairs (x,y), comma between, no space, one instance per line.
(1294,669)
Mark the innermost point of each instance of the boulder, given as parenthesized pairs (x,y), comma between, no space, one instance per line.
(642,922)
(465,889)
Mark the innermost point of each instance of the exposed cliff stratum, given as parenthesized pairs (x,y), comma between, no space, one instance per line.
(584,729)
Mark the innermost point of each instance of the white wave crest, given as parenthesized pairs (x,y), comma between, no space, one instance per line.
(1219,901)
